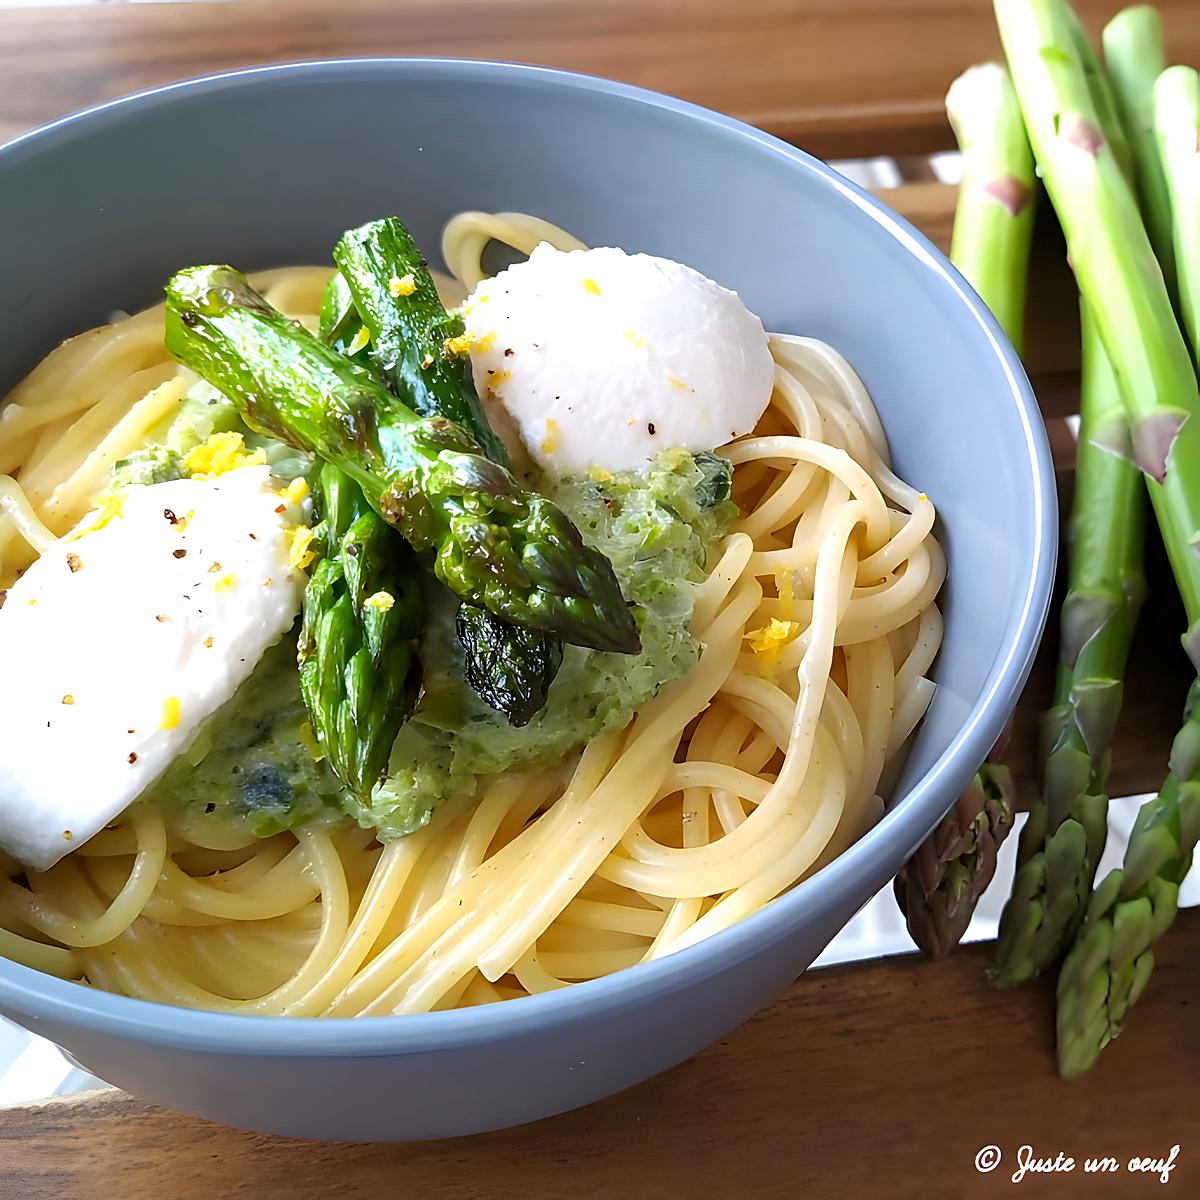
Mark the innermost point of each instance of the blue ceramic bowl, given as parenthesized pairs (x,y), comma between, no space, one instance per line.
(268,166)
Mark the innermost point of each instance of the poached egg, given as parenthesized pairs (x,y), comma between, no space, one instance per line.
(122,638)
(603,359)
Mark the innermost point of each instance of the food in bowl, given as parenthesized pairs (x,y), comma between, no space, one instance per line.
(613,623)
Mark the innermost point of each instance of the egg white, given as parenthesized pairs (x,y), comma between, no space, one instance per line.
(603,359)
(117,645)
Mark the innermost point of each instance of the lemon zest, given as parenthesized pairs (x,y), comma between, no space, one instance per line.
(221,453)
(296,490)
(170,713)
(467,309)
(404,285)
(107,508)
(300,554)
(464,343)
(770,638)
(380,600)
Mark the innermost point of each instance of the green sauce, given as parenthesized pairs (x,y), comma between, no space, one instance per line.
(251,765)
(658,528)
(203,412)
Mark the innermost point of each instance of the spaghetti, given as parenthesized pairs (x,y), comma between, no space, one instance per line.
(818,627)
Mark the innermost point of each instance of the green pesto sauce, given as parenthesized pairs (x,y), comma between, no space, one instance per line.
(250,765)
(658,528)
(203,412)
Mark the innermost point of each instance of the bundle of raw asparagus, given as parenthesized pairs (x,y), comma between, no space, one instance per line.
(1117,147)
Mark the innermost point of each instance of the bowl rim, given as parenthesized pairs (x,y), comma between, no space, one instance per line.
(903,825)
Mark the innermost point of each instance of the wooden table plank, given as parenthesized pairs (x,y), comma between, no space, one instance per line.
(875,1080)
(840,77)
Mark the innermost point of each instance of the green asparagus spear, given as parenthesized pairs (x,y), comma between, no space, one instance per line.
(1063,839)
(1133,55)
(1116,270)
(939,887)
(390,288)
(1123,287)
(1102,94)
(1111,960)
(510,668)
(362,610)
(497,545)
(1177,123)
(993,222)
(412,335)
(341,327)
(1065,834)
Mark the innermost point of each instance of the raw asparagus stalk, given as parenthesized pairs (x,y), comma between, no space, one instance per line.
(1063,839)
(1133,55)
(1116,270)
(497,545)
(1111,960)
(391,290)
(993,222)
(1102,94)
(1177,123)
(362,610)
(1124,290)
(939,887)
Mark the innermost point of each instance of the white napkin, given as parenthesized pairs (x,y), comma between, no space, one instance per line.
(879,929)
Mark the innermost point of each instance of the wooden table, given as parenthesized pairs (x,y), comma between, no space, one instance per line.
(875,1080)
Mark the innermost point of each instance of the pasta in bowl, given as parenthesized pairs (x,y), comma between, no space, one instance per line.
(783,581)
(551,737)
